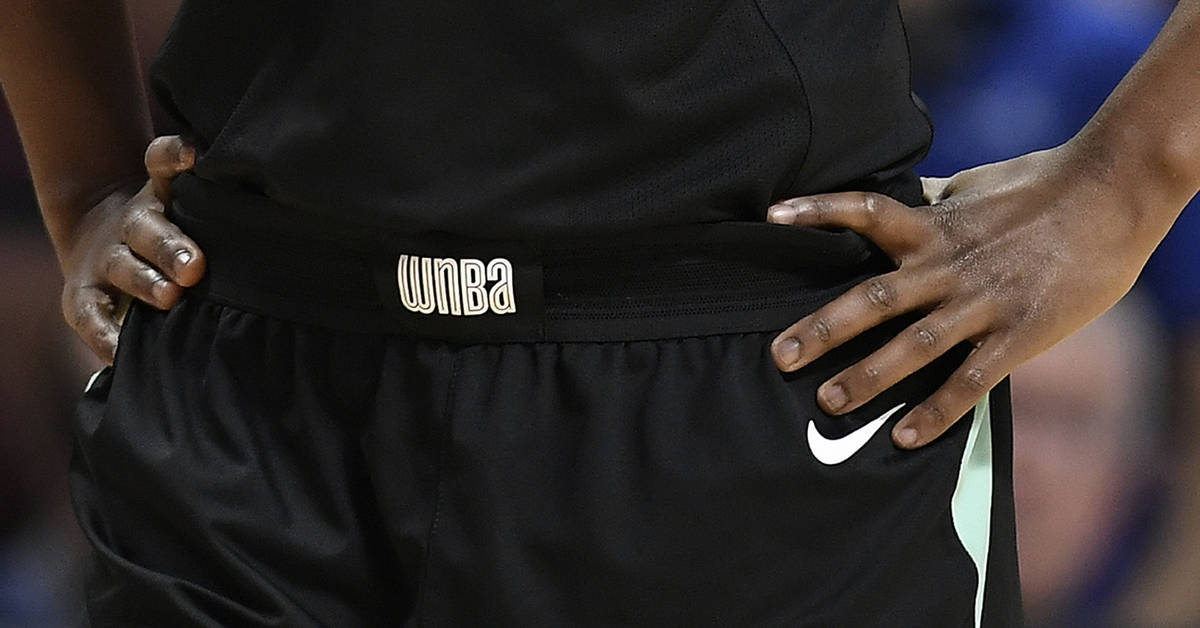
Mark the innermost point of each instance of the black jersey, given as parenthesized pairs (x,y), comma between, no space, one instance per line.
(538,118)
(397,427)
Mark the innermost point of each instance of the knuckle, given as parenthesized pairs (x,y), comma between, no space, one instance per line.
(102,341)
(927,337)
(869,374)
(945,217)
(81,314)
(974,379)
(134,222)
(147,277)
(820,328)
(880,294)
(165,246)
(821,208)
(100,337)
(1028,311)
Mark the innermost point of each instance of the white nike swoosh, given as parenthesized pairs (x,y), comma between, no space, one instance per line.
(837,451)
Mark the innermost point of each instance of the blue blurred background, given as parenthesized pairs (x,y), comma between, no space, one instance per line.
(1107,443)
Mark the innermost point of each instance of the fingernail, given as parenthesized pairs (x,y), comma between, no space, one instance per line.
(183,257)
(834,396)
(187,156)
(907,438)
(779,213)
(787,351)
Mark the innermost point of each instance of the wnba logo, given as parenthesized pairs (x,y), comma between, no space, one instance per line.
(457,287)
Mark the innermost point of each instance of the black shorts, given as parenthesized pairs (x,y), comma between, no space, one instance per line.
(298,444)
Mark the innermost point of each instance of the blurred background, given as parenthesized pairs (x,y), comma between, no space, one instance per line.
(1107,435)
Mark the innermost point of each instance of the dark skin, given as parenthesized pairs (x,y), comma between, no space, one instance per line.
(125,246)
(69,72)
(1012,257)
(1006,257)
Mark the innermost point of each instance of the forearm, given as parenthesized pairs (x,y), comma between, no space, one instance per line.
(1145,139)
(69,71)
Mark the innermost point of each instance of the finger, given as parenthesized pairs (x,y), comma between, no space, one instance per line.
(981,371)
(916,346)
(137,278)
(89,311)
(154,238)
(892,225)
(166,157)
(859,309)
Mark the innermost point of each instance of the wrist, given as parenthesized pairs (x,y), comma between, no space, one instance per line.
(67,216)
(1142,178)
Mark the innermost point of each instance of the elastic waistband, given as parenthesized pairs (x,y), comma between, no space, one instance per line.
(677,282)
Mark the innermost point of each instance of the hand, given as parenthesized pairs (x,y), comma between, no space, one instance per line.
(1012,257)
(126,246)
